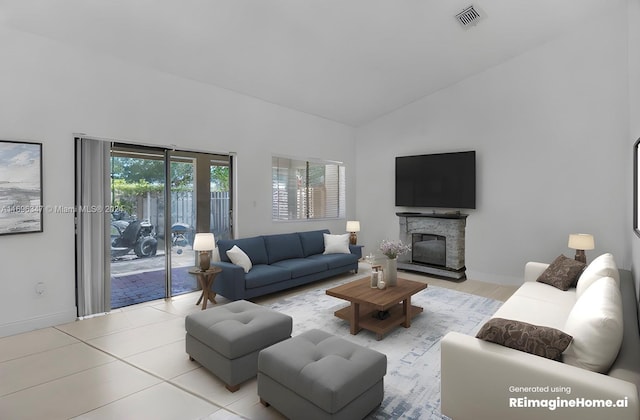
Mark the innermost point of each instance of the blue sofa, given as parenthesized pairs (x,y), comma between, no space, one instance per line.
(279,262)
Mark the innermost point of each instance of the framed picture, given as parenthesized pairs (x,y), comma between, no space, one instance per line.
(20,187)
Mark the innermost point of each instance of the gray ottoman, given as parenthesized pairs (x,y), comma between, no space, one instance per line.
(227,339)
(316,375)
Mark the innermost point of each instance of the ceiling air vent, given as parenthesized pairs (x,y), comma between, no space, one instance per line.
(468,17)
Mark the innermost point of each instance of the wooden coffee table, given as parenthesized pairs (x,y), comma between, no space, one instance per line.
(367,303)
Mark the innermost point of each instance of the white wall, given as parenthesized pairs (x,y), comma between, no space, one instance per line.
(50,91)
(550,128)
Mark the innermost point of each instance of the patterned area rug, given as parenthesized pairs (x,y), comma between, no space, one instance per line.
(412,383)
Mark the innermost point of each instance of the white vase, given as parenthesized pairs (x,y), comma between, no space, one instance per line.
(392,272)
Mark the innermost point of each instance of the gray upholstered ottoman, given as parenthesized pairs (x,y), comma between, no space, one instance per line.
(316,375)
(227,339)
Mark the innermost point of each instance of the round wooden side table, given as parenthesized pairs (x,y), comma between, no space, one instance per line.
(206,279)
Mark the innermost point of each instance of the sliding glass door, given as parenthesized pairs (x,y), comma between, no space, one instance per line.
(156,199)
(172,195)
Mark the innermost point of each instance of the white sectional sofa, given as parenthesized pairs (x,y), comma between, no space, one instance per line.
(484,380)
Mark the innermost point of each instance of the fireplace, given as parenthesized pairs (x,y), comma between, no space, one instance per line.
(437,243)
(429,249)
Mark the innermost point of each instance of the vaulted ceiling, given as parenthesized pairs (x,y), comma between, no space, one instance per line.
(346,60)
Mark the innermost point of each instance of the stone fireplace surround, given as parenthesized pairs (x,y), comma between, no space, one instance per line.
(449,225)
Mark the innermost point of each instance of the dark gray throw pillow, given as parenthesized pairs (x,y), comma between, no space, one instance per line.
(542,341)
(562,273)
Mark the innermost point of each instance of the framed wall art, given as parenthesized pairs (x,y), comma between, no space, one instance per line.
(20,187)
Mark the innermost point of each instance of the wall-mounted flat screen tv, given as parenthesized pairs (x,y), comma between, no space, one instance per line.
(441,180)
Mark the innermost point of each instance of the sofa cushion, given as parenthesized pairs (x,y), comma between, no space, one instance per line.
(283,247)
(254,247)
(312,241)
(546,293)
(263,275)
(595,322)
(535,311)
(562,273)
(335,260)
(535,339)
(602,266)
(336,244)
(238,257)
(300,267)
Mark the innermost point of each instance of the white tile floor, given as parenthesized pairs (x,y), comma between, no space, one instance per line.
(129,364)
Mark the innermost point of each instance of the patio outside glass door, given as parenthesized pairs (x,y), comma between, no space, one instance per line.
(138,259)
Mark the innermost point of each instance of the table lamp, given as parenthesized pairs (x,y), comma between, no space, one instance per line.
(205,243)
(353,226)
(581,242)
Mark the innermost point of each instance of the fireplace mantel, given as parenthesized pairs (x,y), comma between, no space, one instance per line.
(454,215)
(449,225)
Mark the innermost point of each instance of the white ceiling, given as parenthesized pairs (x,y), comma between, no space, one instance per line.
(346,60)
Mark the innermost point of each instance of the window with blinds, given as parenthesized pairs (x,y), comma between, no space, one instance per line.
(305,189)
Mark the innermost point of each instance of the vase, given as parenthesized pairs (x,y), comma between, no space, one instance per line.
(391,274)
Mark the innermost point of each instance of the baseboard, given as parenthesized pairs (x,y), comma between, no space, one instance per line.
(440,272)
(36,323)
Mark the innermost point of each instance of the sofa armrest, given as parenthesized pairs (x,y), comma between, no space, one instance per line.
(532,270)
(230,283)
(480,380)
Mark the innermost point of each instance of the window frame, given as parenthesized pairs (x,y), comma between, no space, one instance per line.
(306,213)
(636,185)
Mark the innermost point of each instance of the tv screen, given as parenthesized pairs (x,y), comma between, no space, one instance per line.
(442,180)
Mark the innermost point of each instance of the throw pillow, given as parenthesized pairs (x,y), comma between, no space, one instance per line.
(336,244)
(602,266)
(595,322)
(535,339)
(238,257)
(562,273)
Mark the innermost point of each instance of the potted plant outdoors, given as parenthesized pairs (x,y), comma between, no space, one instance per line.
(391,249)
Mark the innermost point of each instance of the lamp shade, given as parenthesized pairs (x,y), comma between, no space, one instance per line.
(353,226)
(582,241)
(204,242)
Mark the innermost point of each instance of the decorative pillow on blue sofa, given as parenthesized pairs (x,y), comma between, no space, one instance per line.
(238,257)
(336,244)
(253,247)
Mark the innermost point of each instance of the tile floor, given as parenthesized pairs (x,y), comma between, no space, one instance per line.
(131,364)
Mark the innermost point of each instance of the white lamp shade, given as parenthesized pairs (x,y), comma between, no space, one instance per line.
(353,226)
(581,241)
(204,242)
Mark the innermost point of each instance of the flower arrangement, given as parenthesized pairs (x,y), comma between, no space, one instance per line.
(393,248)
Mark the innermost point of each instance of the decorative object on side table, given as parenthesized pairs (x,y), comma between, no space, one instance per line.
(581,242)
(376,275)
(205,243)
(353,226)
(391,249)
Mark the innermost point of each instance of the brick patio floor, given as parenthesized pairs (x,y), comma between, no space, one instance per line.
(136,280)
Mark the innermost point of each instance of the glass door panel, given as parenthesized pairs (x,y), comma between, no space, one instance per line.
(137,224)
(220,186)
(183,221)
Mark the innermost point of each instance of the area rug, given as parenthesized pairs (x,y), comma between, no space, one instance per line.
(412,383)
